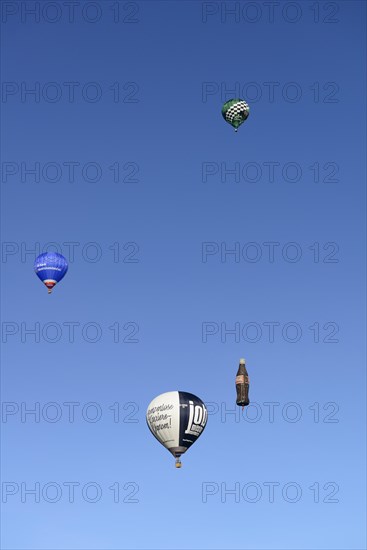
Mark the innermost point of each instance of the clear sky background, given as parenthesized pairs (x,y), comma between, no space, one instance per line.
(138,264)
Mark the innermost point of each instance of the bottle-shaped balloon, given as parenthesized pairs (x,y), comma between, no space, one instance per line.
(235,112)
(242,385)
(177,419)
(50,267)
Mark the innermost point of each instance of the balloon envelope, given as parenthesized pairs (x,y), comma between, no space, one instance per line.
(50,267)
(177,419)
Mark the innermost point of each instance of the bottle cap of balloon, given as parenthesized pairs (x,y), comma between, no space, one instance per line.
(242,361)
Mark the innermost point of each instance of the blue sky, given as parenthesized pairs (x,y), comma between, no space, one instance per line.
(132,182)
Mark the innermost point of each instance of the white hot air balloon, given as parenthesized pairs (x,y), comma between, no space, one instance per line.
(177,419)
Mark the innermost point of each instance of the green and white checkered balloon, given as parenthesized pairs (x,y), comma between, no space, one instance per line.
(235,112)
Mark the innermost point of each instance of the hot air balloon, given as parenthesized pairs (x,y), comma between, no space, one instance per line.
(235,112)
(177,419)
(242,385)
(50,267)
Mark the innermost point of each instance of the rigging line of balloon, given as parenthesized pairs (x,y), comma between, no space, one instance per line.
(176,419)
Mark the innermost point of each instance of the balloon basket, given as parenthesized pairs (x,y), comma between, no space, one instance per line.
(178,463)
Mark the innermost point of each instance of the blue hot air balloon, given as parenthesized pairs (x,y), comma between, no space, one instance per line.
(50,267)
